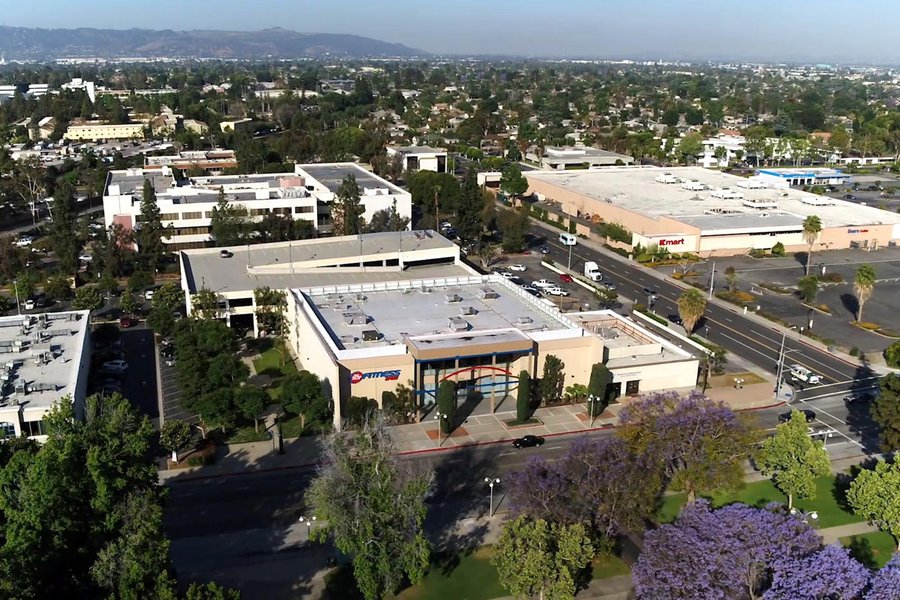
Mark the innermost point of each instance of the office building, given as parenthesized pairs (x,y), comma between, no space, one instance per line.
(96,131)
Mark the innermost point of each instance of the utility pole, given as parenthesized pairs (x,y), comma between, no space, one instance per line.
(712,279)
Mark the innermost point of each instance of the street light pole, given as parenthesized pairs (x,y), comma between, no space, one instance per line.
(438,417)
(779,371)
(309,522)
(712,278)
(591,400)
(570,257)
(491,481)
(16,287)
(804,516)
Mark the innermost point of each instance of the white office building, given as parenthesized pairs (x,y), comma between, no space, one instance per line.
(187,205)
(420,158)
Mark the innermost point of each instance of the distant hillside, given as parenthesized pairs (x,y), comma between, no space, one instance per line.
(20,43)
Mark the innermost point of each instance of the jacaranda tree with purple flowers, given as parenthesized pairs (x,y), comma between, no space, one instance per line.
(719,554)
(829,574)
(886,582)
(699,444)
(599,482)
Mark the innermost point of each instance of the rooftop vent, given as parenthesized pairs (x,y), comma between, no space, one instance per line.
(487,293)
(458,324)
(370,335)
(355,318)
(467,311)
(452,298)
(524,320)
(347,339)
(607,333)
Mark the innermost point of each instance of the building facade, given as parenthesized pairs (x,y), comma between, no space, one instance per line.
(420,158)
(187,205)
(95,132)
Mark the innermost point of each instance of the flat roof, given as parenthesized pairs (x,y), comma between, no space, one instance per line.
(418,150)
(642,347)
(130,183)
(635,189)
(305,263)
(331,175)
(40,359)
(447,313)
(561,152)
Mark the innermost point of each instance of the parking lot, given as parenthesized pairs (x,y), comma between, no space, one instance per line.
(138,381)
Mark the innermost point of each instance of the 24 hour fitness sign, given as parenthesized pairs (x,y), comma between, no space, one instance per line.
(357,376)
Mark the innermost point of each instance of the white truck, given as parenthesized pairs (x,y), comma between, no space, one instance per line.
(805,375)
(592,271)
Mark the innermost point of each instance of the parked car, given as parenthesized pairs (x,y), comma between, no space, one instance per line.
(859,398)
(126,321)
(609,285)
(29,304)
(518,268)
(532,290)
(565,277)
(528,441)
(545,250)
(543,283)
(114,366)
(849,197)
(24,240)
(785,417)
(86,258)
(506,274)
(148,294)
(225,253)
(675,319)
(556,291)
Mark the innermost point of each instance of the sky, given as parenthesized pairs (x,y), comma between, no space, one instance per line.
(815,31)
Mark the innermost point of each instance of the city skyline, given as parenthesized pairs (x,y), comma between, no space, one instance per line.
(697,30)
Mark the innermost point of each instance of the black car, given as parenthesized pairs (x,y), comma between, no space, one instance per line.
(849,197)
(859,398)
(529,441)
(675,319)
(785,417)
(650,293)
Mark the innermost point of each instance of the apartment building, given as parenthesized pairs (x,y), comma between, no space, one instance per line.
(96,131)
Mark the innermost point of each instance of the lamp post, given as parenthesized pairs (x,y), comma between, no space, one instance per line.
(591,400)
(570,257)
(437,417)
(780,368)
(707,331)
(16,287)
(309,522)
(805,516)
(491,481)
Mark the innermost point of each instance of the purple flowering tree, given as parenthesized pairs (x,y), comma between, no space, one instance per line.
(718,554)
(829,574)
(700,444)
(599,482)
(886,582)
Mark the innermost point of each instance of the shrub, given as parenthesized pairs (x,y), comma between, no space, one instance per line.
(757,253)
(892,355)
(854,351)
(831,277)
(523,397)
(644,258)
(867,325)
(778,249)
(195,461)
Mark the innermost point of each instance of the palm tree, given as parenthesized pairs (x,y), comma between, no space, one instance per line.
(691,305)
(864,286)
(812,227)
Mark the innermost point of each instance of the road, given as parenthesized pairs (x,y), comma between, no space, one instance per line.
(726,327)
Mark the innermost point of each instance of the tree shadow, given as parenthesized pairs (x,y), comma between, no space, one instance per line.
(861,549)
(802,258)
(850,303)
(858,402)
(842,483)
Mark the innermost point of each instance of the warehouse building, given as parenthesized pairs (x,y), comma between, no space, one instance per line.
(691,209)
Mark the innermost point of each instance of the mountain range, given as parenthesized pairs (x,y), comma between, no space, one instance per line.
(21,43)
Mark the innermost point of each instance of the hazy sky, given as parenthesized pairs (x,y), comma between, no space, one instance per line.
(803,30)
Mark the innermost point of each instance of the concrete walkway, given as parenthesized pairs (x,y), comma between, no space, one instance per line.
(833,535)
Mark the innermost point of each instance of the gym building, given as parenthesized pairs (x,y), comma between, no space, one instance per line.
(478,331)
(691,209)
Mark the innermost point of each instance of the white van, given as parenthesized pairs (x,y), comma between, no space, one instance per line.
(805,375)
(568,239)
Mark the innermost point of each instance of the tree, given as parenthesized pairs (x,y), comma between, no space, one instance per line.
(690,146)
(204,304)
(514,224)
(469,224)
(675,565)
(128,303)
(270,306)
(215,408)
(167,300)
(886,582)
(388,219)
(809,288)
(87,298)
(174,435)
(875,495)
(211,591)
(29,182)
(251,401)
(793,460)
(58,287)
(523,397)
(151,231)
(886,412)
(373,505)
(487,252)
(542,559)
(863,287)
(731,279)
(598,482)
(812,227)
(828,573)
(691,306)
(64,228)
(700,445)
(301,394)
(229,225)
(553,379)
(446,405)
(512,181)
(347,210)
(599,387)
(892,355)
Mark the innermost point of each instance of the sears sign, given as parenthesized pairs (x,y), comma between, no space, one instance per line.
(357,376)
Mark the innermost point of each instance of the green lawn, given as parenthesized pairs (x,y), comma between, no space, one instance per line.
(471,577)
(871,549)
(609,566)
(269,362)
(760,493)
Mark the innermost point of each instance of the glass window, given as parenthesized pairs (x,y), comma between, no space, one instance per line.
(192,215)
(32,428)
(7,429)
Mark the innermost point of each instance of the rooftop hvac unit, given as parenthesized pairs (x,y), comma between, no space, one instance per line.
(487,293)
(370,335)
(361,298)
(607,333)
(458,324)
(467,311)
(452,298)
(356,318)
(524,320)
(348,339)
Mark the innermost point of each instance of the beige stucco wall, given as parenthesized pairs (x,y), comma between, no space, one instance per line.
(579,355)
(659,377)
